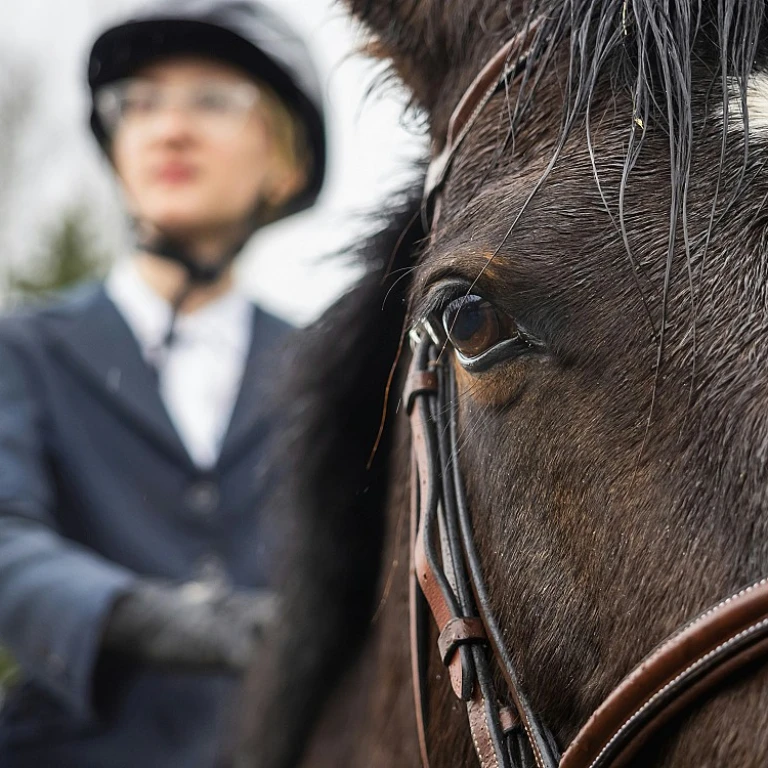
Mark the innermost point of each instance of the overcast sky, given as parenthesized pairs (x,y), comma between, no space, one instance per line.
(372,151)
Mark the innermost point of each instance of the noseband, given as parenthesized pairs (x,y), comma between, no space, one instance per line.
(447,578)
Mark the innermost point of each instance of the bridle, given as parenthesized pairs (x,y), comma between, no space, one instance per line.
(447,576)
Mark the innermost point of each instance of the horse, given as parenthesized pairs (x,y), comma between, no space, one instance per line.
(588,272)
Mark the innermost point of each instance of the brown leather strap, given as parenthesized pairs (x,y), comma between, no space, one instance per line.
(424,573)
(681,702)
(478,727)
(505,63)
(689,662)
(415,626)
(455,631)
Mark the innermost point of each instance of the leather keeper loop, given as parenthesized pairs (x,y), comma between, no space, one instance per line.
(459,631)
(509,719)
(417,383)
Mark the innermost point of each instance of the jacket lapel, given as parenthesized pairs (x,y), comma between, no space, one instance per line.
(267,336)
(97,343)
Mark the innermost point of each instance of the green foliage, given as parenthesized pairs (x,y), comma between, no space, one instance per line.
(69,256)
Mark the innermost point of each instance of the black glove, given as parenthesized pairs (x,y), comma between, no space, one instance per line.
(192,626)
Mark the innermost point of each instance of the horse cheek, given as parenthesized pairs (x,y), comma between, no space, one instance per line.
(495,388)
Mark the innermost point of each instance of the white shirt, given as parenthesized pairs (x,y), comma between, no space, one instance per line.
(201,374)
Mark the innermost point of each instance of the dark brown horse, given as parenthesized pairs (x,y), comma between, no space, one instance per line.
(602,251)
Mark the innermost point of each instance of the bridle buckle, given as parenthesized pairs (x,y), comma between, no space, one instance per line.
(425,328)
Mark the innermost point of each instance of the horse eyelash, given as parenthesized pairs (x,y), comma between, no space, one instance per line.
(438,298)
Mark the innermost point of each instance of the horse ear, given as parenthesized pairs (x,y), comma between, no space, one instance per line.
(431,43)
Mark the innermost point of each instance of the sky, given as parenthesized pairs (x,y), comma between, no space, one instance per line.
(289,267)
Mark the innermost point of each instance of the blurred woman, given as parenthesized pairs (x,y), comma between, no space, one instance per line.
(134,558)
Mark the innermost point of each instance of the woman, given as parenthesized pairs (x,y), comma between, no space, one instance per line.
(133,552)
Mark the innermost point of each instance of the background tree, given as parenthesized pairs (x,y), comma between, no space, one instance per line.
(70,254)
(18,91)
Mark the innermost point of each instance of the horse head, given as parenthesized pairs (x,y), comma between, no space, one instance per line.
(598,268)
(597,277)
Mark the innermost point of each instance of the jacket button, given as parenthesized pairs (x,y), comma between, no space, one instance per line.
(202,498)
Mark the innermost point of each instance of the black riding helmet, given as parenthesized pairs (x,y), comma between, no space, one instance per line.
(240,32)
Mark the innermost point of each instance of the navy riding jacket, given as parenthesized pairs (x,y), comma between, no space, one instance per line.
(97,489)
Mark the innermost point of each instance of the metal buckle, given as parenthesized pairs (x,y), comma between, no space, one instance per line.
(426,328)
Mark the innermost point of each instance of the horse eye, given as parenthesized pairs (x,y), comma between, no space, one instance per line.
(473,325)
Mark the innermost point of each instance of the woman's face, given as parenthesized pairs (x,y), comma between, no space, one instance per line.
(193,148)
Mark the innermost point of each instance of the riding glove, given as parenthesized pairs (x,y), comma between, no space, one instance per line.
(191,626)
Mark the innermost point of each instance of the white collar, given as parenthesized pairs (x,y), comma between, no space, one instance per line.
(226,320)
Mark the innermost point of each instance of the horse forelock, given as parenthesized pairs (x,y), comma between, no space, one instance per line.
(648,60)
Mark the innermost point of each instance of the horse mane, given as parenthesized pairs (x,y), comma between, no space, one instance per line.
(335,452)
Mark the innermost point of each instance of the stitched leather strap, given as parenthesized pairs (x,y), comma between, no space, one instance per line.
(454,630)
(684,667)
(427,576)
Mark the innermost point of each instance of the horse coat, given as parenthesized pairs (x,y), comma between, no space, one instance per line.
(95,489)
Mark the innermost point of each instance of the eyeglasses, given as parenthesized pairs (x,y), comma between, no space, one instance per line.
(215,108)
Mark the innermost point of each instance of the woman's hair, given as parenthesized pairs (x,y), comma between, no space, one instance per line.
(289,140)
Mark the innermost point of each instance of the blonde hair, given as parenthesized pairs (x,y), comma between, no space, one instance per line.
(292,154)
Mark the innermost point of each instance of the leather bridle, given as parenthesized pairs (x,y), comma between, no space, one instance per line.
(447,576)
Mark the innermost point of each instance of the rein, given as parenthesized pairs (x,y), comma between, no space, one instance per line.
(447,579)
